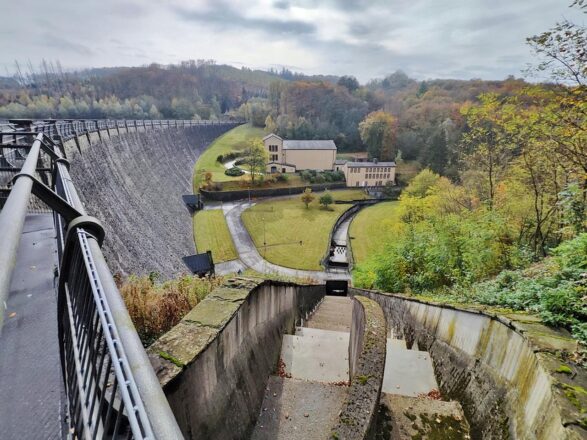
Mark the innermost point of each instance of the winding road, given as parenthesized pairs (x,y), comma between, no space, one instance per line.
(251,258)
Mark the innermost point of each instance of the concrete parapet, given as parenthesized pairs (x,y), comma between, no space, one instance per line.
(514,377)
(215,364)
(367,348)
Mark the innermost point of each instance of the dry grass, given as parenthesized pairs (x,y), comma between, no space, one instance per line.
(155,308)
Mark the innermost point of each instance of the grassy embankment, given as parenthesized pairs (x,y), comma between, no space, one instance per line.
(210,228)
(236,139)
(211,233)
(284,223)
(370,229)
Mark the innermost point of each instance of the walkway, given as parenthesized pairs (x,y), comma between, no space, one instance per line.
(30,371)
(250,256)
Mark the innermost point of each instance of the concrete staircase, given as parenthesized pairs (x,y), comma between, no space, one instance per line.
(303,401)
(409,405)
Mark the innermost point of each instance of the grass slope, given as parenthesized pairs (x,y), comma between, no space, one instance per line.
(370,229)
(288,222)
(211,233)
(234,140)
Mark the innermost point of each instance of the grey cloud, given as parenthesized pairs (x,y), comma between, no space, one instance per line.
(54,41)
(223,16)
(281,4)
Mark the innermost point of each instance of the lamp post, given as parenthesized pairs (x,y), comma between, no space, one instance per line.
(264,240)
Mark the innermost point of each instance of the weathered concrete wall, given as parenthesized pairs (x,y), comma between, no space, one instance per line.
(511,374)
(214,365)
(367,347)
(133,183)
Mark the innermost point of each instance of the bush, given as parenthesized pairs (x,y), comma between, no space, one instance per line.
(234,172)
(326,199)
(228,156)
(555,289)
(280,177)
(156,308)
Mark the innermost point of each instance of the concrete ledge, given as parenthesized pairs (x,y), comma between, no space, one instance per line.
(214,365)
(515,377)
(367,347)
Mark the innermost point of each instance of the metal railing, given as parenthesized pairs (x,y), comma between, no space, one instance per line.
(112,390)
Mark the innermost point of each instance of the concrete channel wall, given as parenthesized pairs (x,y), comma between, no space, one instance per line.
(133,182)
(512,375)
(367,346)
(214,365)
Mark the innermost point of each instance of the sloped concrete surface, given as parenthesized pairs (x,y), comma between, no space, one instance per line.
(335,313)
(408,373)
(133,183)
(298,410)
(319,357)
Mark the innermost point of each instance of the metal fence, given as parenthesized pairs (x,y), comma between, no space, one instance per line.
(112,390)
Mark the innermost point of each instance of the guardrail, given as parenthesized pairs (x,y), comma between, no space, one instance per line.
(111,388)
(70,128)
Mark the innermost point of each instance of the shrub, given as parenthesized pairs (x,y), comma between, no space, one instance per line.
(326,199)
(234,172)
(156,308)
(281,177)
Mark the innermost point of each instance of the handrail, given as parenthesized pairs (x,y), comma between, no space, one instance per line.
(111,387)
(12,221)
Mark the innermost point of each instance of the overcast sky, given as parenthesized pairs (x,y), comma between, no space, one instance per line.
(366,38)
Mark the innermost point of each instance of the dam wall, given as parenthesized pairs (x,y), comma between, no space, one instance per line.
(514,377)
(133,183)
(214,365)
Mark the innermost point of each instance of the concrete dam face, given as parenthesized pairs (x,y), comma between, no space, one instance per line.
(133,183)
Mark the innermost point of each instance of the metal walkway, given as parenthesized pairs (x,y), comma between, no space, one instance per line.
(30,376)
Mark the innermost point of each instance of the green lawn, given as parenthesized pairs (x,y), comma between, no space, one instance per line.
(283,224)
(211,233)
(236,139)
(371,229)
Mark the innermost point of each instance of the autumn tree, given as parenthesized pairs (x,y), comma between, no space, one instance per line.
(563,56)
(378,132)
(486,145)
(255,157)
(307,197)
(270,125)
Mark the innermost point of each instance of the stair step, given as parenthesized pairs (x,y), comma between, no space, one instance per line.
(334,313)
(321,359)
(319,333)
(408,373)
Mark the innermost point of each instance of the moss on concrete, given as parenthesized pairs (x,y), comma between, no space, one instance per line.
(181,345)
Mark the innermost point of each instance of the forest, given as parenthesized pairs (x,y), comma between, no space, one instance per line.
(507,229)
(425,127)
